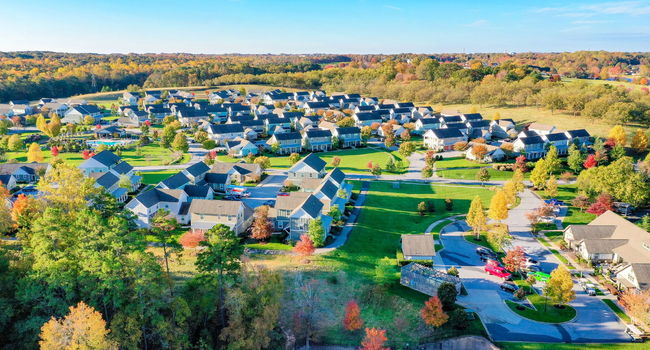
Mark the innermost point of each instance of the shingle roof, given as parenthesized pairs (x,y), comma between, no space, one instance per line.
(429,121)
(557,137)
(452,119)
(348,130)
(122,168)
(197,190)
(30,168)
(402,110)
(479,123)
(155,195)
(216,178)
(473,116)
(215,207)
(418,245)
(198,168)
(313,161)
(318,133)
(107,180)
(226,128)
(175,181)
(579,133)
(106,158)
(288,136)
(311,206)
(532,140)
(337,175)
(328,189)
(447,133)
(367,116)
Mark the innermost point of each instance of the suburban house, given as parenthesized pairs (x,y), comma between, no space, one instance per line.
(146,204)
(424,124)
(205,214)
(196,172)
(131,98)
(174,182)
(401,114)
(479,128)
(224,132)
(533,147)
(306,121)
(270,124)
(397,129)
(366,118)
(502,128)
(288,142)
(450,120)
(237,172)
(560,141)
(315,107)
(24,172)
(254,124)
(494,153)
(363,108)
(579,136)
(101,162)
(111,183)
(348,136)
(317,140)
(7,181)
(189,116)
(241,148)
(294,212)
(418,247)
(471,117)
(54,107)
(310,167)
(613,239)
(541,129)
(443,139)
(77,114)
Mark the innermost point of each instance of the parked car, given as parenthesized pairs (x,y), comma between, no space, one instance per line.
(590,289)
(509,287)
(282,194)
(540,276)
(497,271)
(493,262)
(485,252)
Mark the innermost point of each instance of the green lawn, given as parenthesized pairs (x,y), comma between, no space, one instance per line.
(548,313)
(151,154)
(561,346)
(352,160)
(617,310)
(483,242)
(154,177)
(470,174)
(574,215)
(457,162)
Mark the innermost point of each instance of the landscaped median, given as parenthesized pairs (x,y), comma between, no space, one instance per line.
(542,309)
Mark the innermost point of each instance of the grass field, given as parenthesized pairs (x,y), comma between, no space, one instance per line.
(154,177)
(623,84)
(560,346)
(152,154)
(352,160)
(544,310)
(617,310)
(470,174)
(457,162)
(574,215)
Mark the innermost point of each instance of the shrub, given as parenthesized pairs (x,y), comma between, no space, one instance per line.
(447,295)
(449,204)
(458,319)
(460,146)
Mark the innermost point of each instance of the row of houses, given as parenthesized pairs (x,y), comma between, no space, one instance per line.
(612,239)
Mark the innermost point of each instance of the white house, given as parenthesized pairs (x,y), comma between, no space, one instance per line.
(443,139)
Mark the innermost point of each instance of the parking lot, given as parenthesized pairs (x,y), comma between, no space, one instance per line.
(266,191)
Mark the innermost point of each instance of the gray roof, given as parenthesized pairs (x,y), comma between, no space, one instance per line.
(367,116)
(429,121)
(447,133)
(197,190)
(175,181)
(418,245)
(579,133)
(155,195)
(288,136)
(557,137)
(30,168)
(5,178)
(107,158)
(312,206)
(473,116)
(215,207)
(122,168)
(198,168)
(216,178)
(337,175)
(318,133)
(603,246)
(226,128)
(328,189)
(313,161)
(348,130)
(107,180)
(532,140)
(642,273)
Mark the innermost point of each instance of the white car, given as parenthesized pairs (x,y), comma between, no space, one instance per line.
(589,288)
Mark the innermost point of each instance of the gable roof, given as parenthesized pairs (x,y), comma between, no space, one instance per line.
(311,206)
(215,207)
(429,121)
(446,133)
(337,175)
(578,133)
(122,168)
(29,168)
(556,137)
(155,195)
(532,140)
(175,181)
(367,116)
(197,190)
(348,130)
(294,135)
(313,161)
(197,169)
(106,158)
(473,116)
(318,133)
(418,245)
(107,179)
(226,128)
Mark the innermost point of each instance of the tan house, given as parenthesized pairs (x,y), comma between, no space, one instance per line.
(205,214)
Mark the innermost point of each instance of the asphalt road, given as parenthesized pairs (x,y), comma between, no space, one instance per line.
(594,321)
(267,190)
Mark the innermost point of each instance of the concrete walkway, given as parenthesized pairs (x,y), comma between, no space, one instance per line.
(349,224)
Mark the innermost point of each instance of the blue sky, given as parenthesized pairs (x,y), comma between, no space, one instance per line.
(320,26)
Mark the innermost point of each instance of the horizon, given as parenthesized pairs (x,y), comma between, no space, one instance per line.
(358,27)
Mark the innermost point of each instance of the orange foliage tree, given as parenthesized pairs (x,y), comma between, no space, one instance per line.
(352,320)
(374,340)
(81,328)
(432,313)
(191,239)
(305,246)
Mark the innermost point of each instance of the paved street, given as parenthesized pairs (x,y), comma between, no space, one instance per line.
(594,322)
(267,190)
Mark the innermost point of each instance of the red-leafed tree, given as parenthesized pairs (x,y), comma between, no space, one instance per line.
(192,239)
(55,151)
(86,154)
(590,162)
(370,165)
(374,340)
(520,163)
(305,246)
(432,313)
(603,203)
(147,122)
(515,259)
(262,227)
(352,319)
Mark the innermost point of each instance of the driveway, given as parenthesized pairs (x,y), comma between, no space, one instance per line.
(594,321)
(266,190)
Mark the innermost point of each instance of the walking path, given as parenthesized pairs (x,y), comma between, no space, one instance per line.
(349,224)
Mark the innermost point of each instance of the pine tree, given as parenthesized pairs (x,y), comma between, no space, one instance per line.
(618,134)
(352,319)
(432,313)
(498,206)
(82,328)
(476,216)
(34,153)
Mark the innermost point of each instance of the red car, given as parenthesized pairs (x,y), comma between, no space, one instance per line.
(497,271)
(282,194)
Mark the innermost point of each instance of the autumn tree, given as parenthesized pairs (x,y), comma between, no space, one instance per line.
(639,141)
(552,161)
(54,151)
(82,328)
(590,162)
(65,186)
(637,305)
(432,313)
(498,206)
(336,161)
(551,187)
(294,158)
(476,216)
(374,340)
(515,259)
(422,208)
(618,134)
(510,190)
(180,143)
(262,227)
(191,238)
(34,153)
(559,287)
(575,159)
(15,143)
(540,174)
(407,148)
(352,320)
(24,210)
(6,221)
(498,236)
(603,203)
(483,175)
(520,163)
(479,151)
(518,180)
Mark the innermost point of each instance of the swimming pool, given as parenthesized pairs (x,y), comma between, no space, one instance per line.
(95,143)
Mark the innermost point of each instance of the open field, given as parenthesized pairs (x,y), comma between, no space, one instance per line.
(152,154)
(470,174)
(623,84)
(560,346)
(154,177)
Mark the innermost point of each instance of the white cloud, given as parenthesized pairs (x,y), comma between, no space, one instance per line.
(478,23)
(393,7)
(622,8)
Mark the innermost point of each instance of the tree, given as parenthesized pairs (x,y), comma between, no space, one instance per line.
(262,228)
(518,180)
(476,216)
(82,328)
(551,187)
(88,120)
(366,132)
(275,147)
(263,161)
(427,172)
(432,313)
(458,319)
(305,246)
(316,232)
(447,294)
(335,212)
(575,159)
(192,238)
(294,158)
(336,161)
(515,259)
(520,163)
(54,151)
(352,320)
(168,135)
(65,186)
(209,144)
(498,236)
(376,170)
(590,162)
(552,160)
(34,153)
(430,158)
(384,271)
(405,135)
(163,226)
(602,204)
(559,287)
(540,174)
(639,141)
(23,212)
(180,143)
(253,310)
(422,208)
(498,206)
(407,148)
(345,122)
(220,259)
(374,340)
(483,175)
(200,136)
(479,151)
(510,190)
(637,305)
(6,221)
(618,134)
(581,202)
(15,143)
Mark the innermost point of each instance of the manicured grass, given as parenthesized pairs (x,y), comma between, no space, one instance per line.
(550,313)
(557,254)
(574,216)
(436,234)
(269,246)
(483,242)
(154,177)
(617,310)
(352,160)
(457,162)
(562,346)
(151,154)
(470,174)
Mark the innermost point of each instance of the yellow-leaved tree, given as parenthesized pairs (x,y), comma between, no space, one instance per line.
(498,206)
(559,287)
(476,216)
(639,141)
(618,134)
(66,187)
(82,328)
(34,153)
